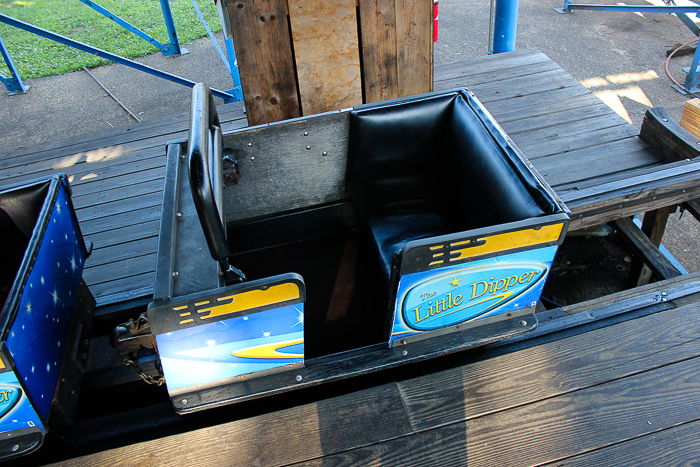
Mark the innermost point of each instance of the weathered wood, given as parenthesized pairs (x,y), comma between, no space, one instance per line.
(414,40)
(264,53)
(326,47)
(551,369)
(669,138)
(661,267)
(279,173)
(279,438)
(617,297)
(672,446)
(379,46)
(553,429)
(653,226)
(693,207)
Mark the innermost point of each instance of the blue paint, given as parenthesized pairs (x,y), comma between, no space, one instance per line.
(16,412)
(39,335)
(505,25)
(207,353)
(438,298)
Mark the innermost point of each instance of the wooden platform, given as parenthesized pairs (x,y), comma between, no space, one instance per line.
(618,384)
(589,154)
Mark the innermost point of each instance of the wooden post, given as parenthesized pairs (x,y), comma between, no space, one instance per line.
(263,46)
(653,226)
(397,48)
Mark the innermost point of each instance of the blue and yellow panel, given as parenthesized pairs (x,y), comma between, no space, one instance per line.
(451,295)
(16,411)
(39,334)
(223,351)
(230,334)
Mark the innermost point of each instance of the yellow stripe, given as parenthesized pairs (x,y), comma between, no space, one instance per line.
(178,308)
(2,365)
(510,241)
(254,299)
(269,350)
(187,313)
(185,321)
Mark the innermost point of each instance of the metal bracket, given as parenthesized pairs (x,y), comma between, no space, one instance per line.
(231,171)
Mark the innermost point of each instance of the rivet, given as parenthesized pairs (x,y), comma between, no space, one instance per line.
(523,323)
(404,353)
(252,158)
(299,378)
(250,145)
(183,401)
(324,153)
(306,133)
(403,341)
(15,448)
(664,119)
(653,197)
(182,156)
(175,273)
(308,147)
(663,294)
(179,214)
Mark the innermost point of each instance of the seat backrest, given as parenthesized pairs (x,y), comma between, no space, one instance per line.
(438,155)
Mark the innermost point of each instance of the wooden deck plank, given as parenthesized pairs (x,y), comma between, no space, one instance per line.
(673,446)
(553,369)
(279,438)
(554,429)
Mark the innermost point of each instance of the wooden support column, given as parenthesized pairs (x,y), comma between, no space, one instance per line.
(397,48)
(263,46)
(645,243)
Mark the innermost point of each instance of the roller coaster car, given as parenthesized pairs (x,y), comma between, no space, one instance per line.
(362,239)
(46,313)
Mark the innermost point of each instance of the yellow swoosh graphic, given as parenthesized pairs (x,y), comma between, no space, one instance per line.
(269,350)
(253,299)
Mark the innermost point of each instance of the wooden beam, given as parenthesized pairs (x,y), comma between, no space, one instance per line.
(661,267)
(326,47)
(263,45)
(693,207)
(662,133)
(653,226)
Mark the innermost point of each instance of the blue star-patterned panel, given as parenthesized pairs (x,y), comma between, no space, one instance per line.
(216,353)
(16,412)
(438,298)
(39,334)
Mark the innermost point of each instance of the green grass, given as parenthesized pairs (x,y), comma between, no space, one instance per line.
(35,56)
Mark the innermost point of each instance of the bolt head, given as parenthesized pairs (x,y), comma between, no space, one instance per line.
(299,378)
(184,401)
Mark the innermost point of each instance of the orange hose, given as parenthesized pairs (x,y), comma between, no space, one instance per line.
(669,59)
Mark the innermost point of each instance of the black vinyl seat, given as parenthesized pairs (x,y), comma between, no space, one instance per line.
(435,166)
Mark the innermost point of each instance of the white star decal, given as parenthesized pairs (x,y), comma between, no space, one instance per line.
(72,263)
(266,334)
(55,297)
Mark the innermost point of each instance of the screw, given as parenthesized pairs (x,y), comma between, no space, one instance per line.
(324,153)
(15,448)
(404,353)
(250,145)
(175,273)
(299,378)
(306,133)
(523,323)
(179,214)
(182,156)
(403,341)
(308,147)
(183,401)
(252,158)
